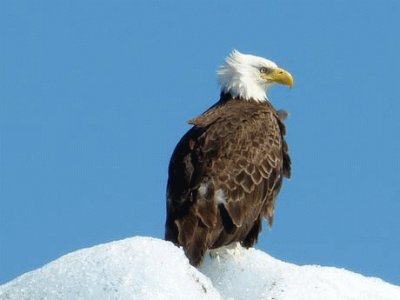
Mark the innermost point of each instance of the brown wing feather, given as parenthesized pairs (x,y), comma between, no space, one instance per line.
(224,176)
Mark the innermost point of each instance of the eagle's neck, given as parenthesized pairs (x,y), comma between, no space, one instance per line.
(226,96)
(247,92)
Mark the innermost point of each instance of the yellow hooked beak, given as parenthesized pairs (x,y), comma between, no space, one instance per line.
(279,75)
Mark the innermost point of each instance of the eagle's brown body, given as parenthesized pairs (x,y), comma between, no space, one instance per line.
(224,176)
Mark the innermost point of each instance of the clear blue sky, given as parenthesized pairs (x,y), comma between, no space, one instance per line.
(94,96)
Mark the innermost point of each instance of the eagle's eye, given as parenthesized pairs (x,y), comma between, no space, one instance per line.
(264,70)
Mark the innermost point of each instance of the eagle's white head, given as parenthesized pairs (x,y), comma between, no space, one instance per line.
(249,77)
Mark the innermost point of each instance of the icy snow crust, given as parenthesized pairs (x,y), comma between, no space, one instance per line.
(148,268)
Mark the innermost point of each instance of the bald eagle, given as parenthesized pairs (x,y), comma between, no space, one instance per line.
(227,170)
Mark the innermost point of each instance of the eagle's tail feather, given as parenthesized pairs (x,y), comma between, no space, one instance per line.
(252,236)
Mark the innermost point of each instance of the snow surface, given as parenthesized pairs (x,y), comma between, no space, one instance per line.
(149,268)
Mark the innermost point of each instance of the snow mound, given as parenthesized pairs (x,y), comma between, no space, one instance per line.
(148,268)
(134,268)
(237,273)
